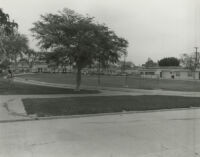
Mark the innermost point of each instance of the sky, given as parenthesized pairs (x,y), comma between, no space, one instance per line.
(154,28)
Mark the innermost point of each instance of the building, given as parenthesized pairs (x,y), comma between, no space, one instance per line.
(174,73)
(43,67)
(40,66)
(20,66)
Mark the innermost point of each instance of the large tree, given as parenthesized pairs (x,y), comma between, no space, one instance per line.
(169,61)
(78,40)
(7,28)
(6,24)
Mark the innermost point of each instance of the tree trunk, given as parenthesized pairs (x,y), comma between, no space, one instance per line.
(193,74)
(15,68)
(78,79)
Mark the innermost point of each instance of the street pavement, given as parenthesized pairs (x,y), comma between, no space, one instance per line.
(174,133)
(153,134)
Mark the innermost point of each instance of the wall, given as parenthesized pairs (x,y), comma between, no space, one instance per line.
(183,75)
(169,73)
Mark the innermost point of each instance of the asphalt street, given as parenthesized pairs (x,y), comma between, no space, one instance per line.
(152,134)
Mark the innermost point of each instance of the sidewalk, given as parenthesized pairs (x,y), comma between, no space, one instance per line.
(11,109)
(125,91)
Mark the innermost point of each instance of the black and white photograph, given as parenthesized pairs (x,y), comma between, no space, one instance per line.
(99,78)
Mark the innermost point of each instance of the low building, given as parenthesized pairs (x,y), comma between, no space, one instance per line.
(40,67)
(176,73)
(20,66)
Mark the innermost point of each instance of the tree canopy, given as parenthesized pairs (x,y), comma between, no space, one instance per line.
(150,63)
(12,43)
(78,40)
(190,61)
(13,47)
(6,24)
(170,61)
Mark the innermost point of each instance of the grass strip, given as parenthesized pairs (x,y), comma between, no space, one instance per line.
(105,104)
(16,88)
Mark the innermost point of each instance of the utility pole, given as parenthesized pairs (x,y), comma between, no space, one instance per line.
(196,57)
(124,71)
(195,62)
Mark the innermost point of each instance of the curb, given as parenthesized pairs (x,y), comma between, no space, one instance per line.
(29,118)
(117,89)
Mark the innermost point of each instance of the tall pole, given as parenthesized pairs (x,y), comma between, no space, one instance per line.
(196,57)
(99,72)
(196,61)
(125,82)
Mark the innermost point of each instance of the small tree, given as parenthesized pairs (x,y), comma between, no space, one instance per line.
(170,61)
(190,61)
(16,45)
(31,56)
(77,40)
(125,65)
(150,63)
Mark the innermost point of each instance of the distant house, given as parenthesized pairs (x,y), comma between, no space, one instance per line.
(40,67)
(20,66)
(176,73)
(64,69)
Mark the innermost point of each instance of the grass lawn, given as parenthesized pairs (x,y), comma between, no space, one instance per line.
(105,104)
(22,89)
(119,81)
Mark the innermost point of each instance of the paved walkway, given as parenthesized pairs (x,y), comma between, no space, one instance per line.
(12,108)
(110,90)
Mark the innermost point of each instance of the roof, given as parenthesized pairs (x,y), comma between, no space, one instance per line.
(169,68)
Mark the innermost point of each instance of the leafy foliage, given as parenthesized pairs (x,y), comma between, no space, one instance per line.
(170,61)
(5,64)
(15,44)
(31,56)
(6,24)
(8,41)
(190,61)
(150,63)
(77,40)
